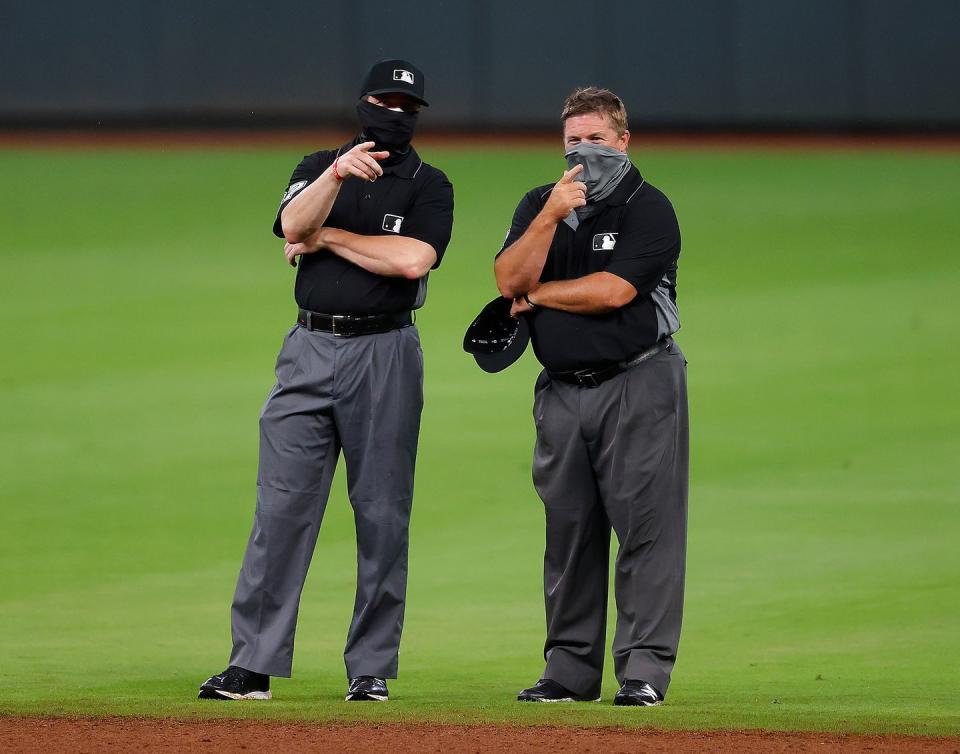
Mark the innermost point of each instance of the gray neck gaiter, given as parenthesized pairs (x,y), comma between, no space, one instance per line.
(603,169)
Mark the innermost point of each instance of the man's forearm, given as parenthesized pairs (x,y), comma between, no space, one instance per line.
(310,208)
(393,256)
(597,293)
(518,268)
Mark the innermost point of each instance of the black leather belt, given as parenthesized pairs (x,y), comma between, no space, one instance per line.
(349,325)
(594,377)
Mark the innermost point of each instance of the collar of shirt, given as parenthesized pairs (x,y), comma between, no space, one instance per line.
(624,192)
(407,167)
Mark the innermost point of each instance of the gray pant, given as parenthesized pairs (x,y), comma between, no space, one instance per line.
(614,455)
(362,395)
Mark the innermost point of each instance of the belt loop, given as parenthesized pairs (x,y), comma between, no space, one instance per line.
(309,319)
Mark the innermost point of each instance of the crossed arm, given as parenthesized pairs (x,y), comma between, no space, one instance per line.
(393,256)
(518,267)
(303,221)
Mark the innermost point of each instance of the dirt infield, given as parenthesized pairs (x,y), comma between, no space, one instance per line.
(89,735)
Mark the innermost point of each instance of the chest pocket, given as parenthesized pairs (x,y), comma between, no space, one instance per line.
(384,205)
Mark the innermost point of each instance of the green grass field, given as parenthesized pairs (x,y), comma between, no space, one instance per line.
(142,303)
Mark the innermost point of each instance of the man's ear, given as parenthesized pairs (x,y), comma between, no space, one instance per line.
(624,140)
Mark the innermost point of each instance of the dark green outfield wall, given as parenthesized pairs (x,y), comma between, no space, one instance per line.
(809,63)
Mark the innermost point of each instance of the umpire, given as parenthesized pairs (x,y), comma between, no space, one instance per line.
(367,222)
(591,262)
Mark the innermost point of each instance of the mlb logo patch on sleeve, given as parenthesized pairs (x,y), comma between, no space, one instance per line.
(392,223)
(401,75)
(292,189)
(604,241)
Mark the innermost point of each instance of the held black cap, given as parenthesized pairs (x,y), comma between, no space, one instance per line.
(496,339)
(394,77)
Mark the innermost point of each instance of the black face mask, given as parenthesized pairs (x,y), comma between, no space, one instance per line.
(388,129)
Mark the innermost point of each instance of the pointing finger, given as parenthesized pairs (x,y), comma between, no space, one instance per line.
(572,173)
(365,146)
(379,155)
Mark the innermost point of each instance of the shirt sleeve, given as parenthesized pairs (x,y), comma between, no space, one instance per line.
(309,169)
(430,219)
(648,245)
(524,214)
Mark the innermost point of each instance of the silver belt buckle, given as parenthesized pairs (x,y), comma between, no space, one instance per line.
(586,378)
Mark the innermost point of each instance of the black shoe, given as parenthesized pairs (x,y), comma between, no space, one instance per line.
(546,690)
(637,694)
(236,683)
(366,688)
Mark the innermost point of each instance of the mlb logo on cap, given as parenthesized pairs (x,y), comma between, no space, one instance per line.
(604,241)
(394,76)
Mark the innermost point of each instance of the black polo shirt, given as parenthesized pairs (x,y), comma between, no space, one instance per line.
(411,199)
(635,236)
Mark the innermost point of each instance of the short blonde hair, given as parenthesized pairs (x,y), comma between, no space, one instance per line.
(592,99)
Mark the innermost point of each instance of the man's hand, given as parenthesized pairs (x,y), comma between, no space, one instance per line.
(520,306)
(293,250)
(567,195)
(361,162)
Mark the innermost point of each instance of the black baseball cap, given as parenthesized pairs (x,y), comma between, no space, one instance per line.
(394,77)
(496,339)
